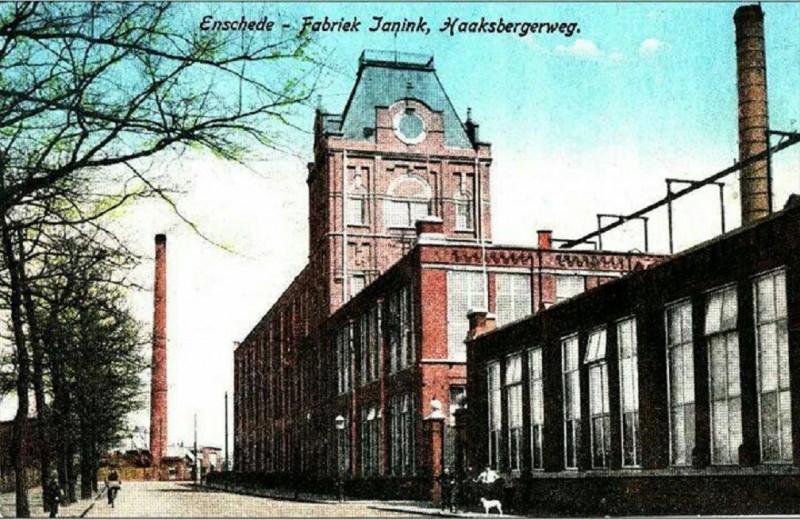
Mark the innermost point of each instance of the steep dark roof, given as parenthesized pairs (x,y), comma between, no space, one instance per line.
(383,79)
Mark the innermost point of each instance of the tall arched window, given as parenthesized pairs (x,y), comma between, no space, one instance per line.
(465,204)
(409,198)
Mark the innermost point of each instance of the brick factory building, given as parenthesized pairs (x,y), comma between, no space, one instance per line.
(372,330)
(678,383)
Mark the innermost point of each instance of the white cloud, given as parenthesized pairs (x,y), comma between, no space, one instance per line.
(585,49)
(588,50)
(651,46)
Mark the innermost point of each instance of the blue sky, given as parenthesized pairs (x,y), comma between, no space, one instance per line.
(638,72)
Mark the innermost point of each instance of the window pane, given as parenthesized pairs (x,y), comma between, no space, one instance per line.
(780,294)
(729,308)
(679,448)
(783,354)
(768,346)
(537,403)
(417,211)
(688,373)
(713,313)
(735,422)
(514,369)
(719,369)
(569,286)
(513,297)
(733,364)
(570,351)
(785,404)
(465,291)
(686,322)
(719,417)
(765,299)
(770,435)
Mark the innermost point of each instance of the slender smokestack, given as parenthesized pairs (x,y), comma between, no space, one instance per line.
(751,67)
(158,384)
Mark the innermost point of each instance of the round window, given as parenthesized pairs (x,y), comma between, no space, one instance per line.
(409,127)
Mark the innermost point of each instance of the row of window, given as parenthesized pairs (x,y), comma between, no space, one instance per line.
(409,202)
(404,213)
(467,290)
(721,338)
(401,446)
(396,319)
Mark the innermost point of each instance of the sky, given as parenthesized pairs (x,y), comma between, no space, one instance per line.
(579,125)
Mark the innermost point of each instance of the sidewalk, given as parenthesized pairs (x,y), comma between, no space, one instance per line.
(76,510)
(411,507)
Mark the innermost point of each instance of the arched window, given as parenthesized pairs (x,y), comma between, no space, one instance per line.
(465,209)
(409,198)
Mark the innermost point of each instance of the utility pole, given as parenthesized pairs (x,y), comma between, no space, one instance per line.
(196,462)
(227,463)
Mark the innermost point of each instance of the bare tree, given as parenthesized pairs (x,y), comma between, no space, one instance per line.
(88,86)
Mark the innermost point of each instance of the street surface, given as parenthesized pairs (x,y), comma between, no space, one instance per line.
(173,499)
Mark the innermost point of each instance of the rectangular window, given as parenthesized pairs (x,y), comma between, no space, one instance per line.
(680,363)
(722,340)
(356,210)
(537,406)
(405,213)
(362,326)
(343,346)
(369,345)
(629,392)
(568,286)
(464,214)
(572,400)
(401,435)
(401,325)
(465,290)
(374,343)
(599,410)
(357,283)
(772,341)
(495,412)
(370,442)
(513,297)
(513,390)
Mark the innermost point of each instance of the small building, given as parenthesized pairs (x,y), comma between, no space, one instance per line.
(675,390)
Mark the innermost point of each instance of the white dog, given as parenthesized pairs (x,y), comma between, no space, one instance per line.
(489,504)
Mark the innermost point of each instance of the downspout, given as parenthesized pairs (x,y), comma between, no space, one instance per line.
(344,229)
(479,226)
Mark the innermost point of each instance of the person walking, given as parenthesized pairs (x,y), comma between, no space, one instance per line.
(52,495)
(448,484)
(488,480)
(113,485)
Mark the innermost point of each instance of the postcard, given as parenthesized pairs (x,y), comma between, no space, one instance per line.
(399,259)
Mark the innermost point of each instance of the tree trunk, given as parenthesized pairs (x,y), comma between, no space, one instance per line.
(86,468)
(20,435)
(72,475)
(38,376)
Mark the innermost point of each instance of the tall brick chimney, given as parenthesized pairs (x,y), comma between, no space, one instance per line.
(158,383)
(754,181)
